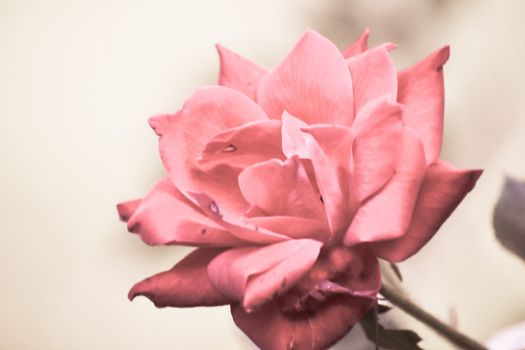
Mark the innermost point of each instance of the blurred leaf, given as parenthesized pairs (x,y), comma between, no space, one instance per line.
(509,217)
(397,271)
(394,339)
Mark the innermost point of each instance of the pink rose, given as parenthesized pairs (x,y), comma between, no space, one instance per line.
(292,182)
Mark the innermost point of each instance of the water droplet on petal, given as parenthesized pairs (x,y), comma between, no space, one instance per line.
(230,148)
(215,208)
(204,231)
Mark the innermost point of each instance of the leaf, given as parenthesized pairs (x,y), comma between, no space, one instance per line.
(509,217)
(394,339)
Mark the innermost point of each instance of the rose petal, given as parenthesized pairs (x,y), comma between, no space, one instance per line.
(294,227)
(312,83)
(442,190)
(421,90)
(244,145)
(359,46)
(165,216)
(126,209)
(376,148)
(388,213)
(185,285)
(329,169)
(281,188)
(373,74)
(236,226)
(239,73)
(270,328)
(253,275)
(208,112)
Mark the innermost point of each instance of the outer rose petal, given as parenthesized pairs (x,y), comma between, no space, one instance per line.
(183,136)
(239,73)
(244,145)
(312,83)
(186,284)
(165,216)
(376,148)
(442,190)
(373,74)
(281,188)
(252,276)
(271,329)
(359,46)
(421,91)
(126,209)
(388,213)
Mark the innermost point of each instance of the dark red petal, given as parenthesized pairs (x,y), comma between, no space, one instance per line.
(185,285)
(271,329)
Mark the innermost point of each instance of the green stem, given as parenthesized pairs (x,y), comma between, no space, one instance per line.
(443,329)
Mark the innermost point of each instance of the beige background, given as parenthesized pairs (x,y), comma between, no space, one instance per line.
(78,80)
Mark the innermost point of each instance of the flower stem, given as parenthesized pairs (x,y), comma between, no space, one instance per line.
(443,329)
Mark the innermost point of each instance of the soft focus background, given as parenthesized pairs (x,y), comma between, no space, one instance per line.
(78,80)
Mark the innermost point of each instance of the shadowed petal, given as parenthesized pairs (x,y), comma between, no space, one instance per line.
(239,73)
(253,276)
(185,285)
(272,329)
(388,213)
(244,145)
(373,74)
(376,146)
(422,93)
(359,46)
(312,83)
(165,216)
(184,135)
(442,190)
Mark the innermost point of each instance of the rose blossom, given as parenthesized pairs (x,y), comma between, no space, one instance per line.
(292,182)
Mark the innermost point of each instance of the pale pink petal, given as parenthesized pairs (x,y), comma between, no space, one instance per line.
(185,285)
(239,73)
(421,91)
(329,169)
(165,216)
(294,227)
(281,188)
(253,276)
(244,145)
(359,46)
(236,225)
(184,135)
(442,190)
(271,328)
(126,209)
(312,83)
(388,213)
(376,146)
(373,74)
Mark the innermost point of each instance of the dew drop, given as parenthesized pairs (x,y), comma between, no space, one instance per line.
(204,231)
(229,148)
(215,208)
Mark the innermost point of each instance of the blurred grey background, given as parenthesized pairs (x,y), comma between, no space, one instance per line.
(78,80)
